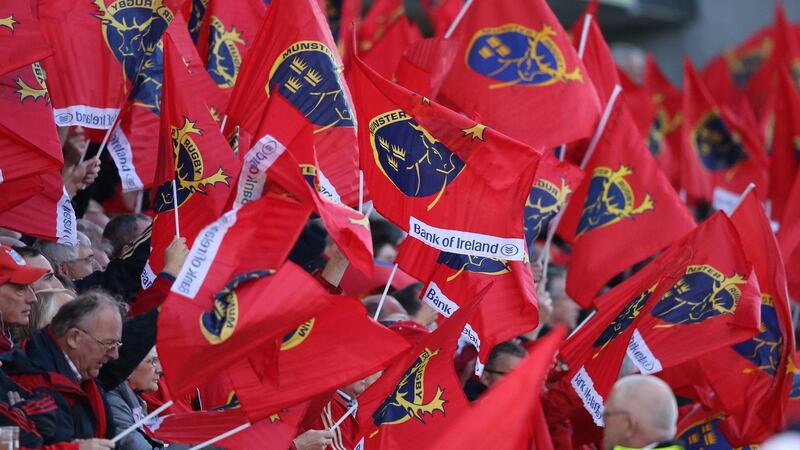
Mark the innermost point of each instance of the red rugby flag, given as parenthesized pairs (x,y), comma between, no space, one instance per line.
(785,145)
(449,181)
(625,199)
(516,395)
(664,138)
(418,394)
(424,65)
(443,15)
(509,308)
(700,286)
(48,214)
(384,34)
(599,63)
(516,69)
(193,154)
(21,39)
(294,56)
(228,299)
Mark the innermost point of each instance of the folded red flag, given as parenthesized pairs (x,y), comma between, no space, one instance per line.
(47,215)
(336,347)
(450,182)
(294,56)
(626,199)
(104,52)
(21,39)
(418,394)
(516,395)
(700,286)
(785,145)
(509,308)
(218,304)
(424,65)
(384,34)
(664,138)
(599,62)
(518,70)
(192,153)
(555,182)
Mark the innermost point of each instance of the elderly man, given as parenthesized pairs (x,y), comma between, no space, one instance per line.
(74,263)
(16,295)
(77,359)
(641,412)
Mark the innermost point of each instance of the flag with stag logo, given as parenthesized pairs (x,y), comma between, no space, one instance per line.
(21,40)
(555,182)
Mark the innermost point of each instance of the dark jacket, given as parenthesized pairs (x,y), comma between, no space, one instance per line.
(126,409)
(34,415)
(82,412)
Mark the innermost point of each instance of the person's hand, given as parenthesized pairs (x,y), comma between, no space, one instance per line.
(313,440)
(545,303)
(81,175)
(14,398)
(538,271)
(94,444)
(175,256)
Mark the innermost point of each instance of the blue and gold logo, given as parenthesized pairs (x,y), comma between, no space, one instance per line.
(190,175)
(702,293)
(477,264)
(296,337)
(623,320)
(610,199)
(224,58)
(308,75)
(662,126)
(764,350)
(26,91)
(196,18)
(219,324)
(743,65)
(414,161)
(717,147)
(409,399)
(8,22)
(543,203)
(309,172)
(133,30)
(515,55)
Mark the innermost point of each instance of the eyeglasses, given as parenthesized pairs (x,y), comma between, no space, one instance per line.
(607,413)
(108,345)
(154,361)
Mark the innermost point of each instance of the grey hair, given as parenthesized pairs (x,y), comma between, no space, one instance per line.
(61,253)
(74,313)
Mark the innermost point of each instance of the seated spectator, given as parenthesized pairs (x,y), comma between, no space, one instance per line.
(419,311)
(641,412)
(16,294)
(122,230)
(35,259)
(502,359)
(100,246)
(49,301)
(73,262)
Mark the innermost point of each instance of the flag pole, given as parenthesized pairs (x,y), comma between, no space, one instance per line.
(141,421)
(222,124)
(385,291)
(346,414)
(103,142)
(360,191)
(139,199)
(458,19)
(747,190)
(175,208)
(222,436)
(587,20)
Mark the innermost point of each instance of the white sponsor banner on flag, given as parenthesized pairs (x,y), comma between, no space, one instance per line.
(467,243)
(85,116)
(121,152)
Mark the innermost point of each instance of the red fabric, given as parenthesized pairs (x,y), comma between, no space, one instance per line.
(509,308)
(349,20)
(322,97)
(429,167)
(555,182)
(345,434)
(479,83)
(443,15)
(648,314)
(626,194)
(424,65)
(214,290)
(599,62)
(516,395)
(336,347)
(21,38)
(47,215)
(785,145)
(664,138)
(194,154)
(357,284)
(418,394)
(789,239)
(152,297)
(383,35)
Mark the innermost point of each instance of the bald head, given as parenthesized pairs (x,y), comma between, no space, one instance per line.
(641,410)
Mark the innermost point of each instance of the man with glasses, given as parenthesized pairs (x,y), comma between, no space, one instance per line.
(77,359)
(641,412)
(502,359)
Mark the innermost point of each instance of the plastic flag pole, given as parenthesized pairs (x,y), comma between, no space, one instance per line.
(747,190)
(361,191)
(350,411)
(385,291)
(584,35)
(103,142)
(222,436)
(141,421)
(175,209)
(458,19)
(222,124)
(139,198)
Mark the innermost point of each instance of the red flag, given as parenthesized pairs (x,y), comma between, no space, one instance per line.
(418,394)
(519,62)
(785,145)
(516,395)
(664,138)
(384,33)
(451,280)
(349,20)
(789,239)
(719,156)
(47,215)
(424,65)
(104,52)
(555,182)
(332,349)
(599,63)
(705,430)
(294,56)
(452,183)
(746,58)
(707,298)
(218,305)
(626,194)
(443,15)
(192,153)
(21,39)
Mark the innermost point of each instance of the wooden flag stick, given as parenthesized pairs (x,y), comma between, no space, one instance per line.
(385,291)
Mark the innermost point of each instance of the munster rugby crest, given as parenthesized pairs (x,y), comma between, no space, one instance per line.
(34,92)
(190,171)
(418,164)
(224,58)
(764,350)
(219,324)
(297,336)
(308,75)
(477,264)
(702,293)
(543,203)
(716,146)
(514,55)
(623,320)
(410,400)
(196,18)
(610,199)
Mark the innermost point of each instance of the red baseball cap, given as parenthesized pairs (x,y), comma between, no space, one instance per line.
(14,269)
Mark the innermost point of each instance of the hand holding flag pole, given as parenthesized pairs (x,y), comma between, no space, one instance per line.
(349,412)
